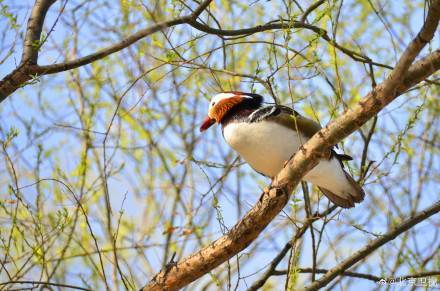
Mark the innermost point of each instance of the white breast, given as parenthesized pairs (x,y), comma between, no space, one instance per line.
(264,145)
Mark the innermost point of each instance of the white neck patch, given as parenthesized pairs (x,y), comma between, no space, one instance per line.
(220,97)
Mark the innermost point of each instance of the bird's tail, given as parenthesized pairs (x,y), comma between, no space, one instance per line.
(346,197)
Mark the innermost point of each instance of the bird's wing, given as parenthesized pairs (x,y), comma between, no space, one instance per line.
(287,117)
(291,119)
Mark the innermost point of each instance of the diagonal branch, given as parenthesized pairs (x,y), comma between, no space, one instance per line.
(372,246)
(420,69)
(311,9)
(278,258)
(29,68)
(177,275)
(126,42)
(363,275)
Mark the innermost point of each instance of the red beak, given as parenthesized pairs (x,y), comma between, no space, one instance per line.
(207,123)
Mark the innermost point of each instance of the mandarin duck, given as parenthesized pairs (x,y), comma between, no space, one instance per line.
(267,136)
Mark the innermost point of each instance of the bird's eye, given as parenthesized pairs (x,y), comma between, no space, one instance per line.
(212,103)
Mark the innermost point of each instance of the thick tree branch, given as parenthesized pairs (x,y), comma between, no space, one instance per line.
(420,70)
(31,46)
(372,246)
(179,274)
(33,33)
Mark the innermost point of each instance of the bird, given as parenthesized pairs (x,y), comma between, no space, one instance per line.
(267,136)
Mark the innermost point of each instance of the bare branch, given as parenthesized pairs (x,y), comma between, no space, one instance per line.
(41,283)
(200,9)
(362,275)
(372,246)
(285,24)
(299,233)
(311,9)
(56,68)
(27,70)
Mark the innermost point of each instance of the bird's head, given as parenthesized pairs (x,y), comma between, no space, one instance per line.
(222,103)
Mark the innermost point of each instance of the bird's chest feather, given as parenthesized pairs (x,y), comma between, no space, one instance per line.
(264,145)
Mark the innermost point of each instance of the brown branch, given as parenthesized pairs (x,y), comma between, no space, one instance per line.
(285,24)
(420,70)
(28,70)
(31,46)
(56,68)
(200,9)
(44,284)
(278,258)
(311,9)
(273,200)
(33,32)
(372,246)
(323,271)
(362,275)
